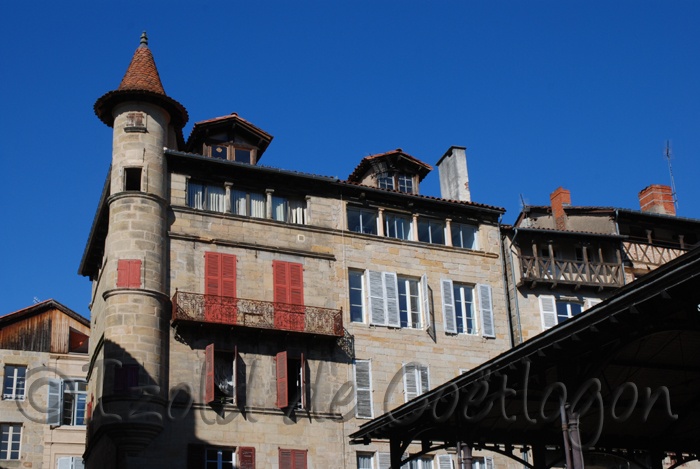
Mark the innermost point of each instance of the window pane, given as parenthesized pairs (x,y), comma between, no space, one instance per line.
(385,182)
(195,195)
(575,309)
(279,208)
(437,233)
(239,203)
(403,303)
(406,183)
(423,231)
(562,311)
(216,197)
(9,380)
(354,220)
(219,151)
(297,209)
(257,205)
(463,236)
(459,308)
(242,156)
(355,296)
(364,461)
(369,222)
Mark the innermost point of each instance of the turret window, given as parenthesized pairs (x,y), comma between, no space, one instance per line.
(135,122)
(132,179)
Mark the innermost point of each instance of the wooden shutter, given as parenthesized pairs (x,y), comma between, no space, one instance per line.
(282,381)
(135,273)
(54,404)
(391,290)
(196,455)
(375,289)
(384,460)
(363,389)
(78,462)
(123,273)
(488,328)
(209,373)
(235,375)
(304,384)
(410,382)
(424,379)
(65,463)
(246,458)
(285,459)
(448,306)
(280,273)
(228,275)
(212,270)
(296,284)
(444,461)
(425,300)
(299,459)
(548,310)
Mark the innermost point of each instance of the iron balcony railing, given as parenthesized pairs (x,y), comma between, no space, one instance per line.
(651,254)
(545,269)
(214,309)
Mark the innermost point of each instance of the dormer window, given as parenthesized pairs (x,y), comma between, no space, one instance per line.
(240,153)
(385,181)
(405,183)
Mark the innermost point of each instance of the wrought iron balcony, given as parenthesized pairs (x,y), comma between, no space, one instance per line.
(645,253)
(213,309)
(556,271)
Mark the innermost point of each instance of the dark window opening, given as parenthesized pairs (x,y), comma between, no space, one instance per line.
(224,373)
(242,156)
(294,386)
(219,151)
(133,179)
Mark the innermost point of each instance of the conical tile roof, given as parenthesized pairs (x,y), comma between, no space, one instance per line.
(142,73)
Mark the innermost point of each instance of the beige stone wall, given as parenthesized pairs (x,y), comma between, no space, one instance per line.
(41,444)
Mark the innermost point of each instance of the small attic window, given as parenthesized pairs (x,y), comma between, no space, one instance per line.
(242,155)
(135,122)
(132,179)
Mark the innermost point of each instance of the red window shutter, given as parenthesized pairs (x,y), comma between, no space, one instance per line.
(123,273)
(286,459)
(282,381)
(281,281)
(296,284)
(209,373)
(135,273)
(304,384)
(299,459)
(196,456)
(212,274)
(89,411)
(228,275)
(246,458)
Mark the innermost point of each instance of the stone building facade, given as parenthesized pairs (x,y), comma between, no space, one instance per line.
(43,350)
(563,259)
(256,316)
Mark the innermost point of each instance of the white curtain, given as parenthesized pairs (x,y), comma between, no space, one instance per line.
(238,202)
(279,208)
(257,205)
(195,195)
(298,211)
(216,197)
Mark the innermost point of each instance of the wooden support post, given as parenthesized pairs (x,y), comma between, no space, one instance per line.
(680,240)
(395,448)
(552,267)
(587,269)
(537,260)
(649,236)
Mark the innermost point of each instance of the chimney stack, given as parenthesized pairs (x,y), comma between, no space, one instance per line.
(560,198)
(657,199)
(454,179)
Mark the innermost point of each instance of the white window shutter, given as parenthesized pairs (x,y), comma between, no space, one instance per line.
(410,382)
(548,308)
(375,297)
(384,460)
(78,463)
(448,306)
(591,302)
(444,461)
(54,407)
(426,300)
(424,379)
(65,463)
(363,389)
(391,288)
(488,328)
(488,462)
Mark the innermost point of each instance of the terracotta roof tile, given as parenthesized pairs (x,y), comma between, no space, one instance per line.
(364,164)
(233,116)
(142,74)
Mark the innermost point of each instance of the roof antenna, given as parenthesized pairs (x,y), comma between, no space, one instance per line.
(668,155)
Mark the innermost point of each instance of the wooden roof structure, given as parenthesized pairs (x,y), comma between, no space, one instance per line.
(627,371)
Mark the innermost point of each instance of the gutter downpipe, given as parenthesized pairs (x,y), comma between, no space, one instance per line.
(505,283)
(515,292)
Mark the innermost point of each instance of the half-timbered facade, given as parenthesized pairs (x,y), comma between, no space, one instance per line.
(256,316)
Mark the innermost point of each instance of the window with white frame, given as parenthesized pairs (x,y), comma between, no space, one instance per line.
(218,458)
(363,389)
(398,226)
(409,303)
(289,210)
(10,441)
(14,382)
(74,402)
(459,312)
(425,462)
(405,182)
(362,220)
(249,204)
(568,309)
(431,231)
(554,312)
(357,295)
(365,461)
(385,181)
(206,197)
(445,461)
(464,236)
(482,463)
(416,380)
(71,462)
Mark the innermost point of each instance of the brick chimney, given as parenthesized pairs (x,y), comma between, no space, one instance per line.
(560,198)
(657,199)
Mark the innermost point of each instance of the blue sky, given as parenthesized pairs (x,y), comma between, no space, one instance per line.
(543,94)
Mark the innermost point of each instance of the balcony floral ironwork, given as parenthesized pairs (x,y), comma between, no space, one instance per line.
(214,309)
(644,253)
(557,271)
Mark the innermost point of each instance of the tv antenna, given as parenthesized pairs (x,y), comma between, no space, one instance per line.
(669,156)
